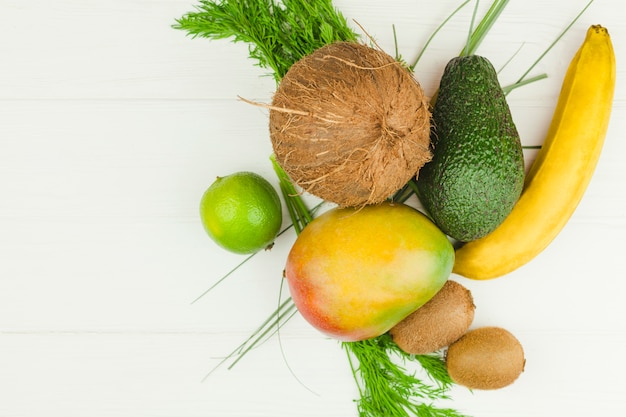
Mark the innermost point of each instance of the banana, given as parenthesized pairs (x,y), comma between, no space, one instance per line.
(559,176)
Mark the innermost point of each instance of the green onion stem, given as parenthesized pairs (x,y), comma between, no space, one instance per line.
(268,328)
(229,273)
(291,209)
(469,33)
(223,278)
(300,216)
(395,43)
(507,89)
(432,36)
(403,194)
(484,26)
(567,28)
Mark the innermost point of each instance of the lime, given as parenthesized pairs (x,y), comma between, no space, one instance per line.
(241,212)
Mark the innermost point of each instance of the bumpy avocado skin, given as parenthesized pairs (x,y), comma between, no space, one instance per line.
(477,171)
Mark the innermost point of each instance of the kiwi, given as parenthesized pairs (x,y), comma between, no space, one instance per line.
(441,321)
(486,358)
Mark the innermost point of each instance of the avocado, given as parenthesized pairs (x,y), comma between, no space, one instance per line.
(476,174)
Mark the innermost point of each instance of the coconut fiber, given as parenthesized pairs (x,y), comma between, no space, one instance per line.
(350,124)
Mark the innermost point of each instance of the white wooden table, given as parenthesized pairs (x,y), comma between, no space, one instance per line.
(112,124)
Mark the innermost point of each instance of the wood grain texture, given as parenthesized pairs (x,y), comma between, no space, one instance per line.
(112,124)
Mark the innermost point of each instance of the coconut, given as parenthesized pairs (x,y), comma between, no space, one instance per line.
(350,124)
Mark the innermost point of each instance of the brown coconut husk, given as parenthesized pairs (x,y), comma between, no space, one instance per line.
(350,125)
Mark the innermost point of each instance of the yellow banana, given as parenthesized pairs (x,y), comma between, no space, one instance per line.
(559,176)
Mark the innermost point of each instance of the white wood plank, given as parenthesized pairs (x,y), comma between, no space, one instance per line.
(116,50)
(161,375)
(127,49)
(112,124)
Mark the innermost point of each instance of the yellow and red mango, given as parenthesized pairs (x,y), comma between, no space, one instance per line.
(354,273)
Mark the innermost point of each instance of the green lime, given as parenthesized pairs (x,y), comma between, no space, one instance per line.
(241,212)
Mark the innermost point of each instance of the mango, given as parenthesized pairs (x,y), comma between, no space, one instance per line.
(354,273)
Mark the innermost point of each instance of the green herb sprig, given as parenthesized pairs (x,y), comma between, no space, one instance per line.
(388,388)
(277,33)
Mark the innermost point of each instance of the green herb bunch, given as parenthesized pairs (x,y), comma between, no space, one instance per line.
(387,388)
(277,33)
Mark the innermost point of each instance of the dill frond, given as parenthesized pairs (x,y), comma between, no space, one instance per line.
(386,386)
(278,34)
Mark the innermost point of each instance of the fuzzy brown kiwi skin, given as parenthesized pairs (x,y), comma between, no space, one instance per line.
(438,323)
(486,358)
